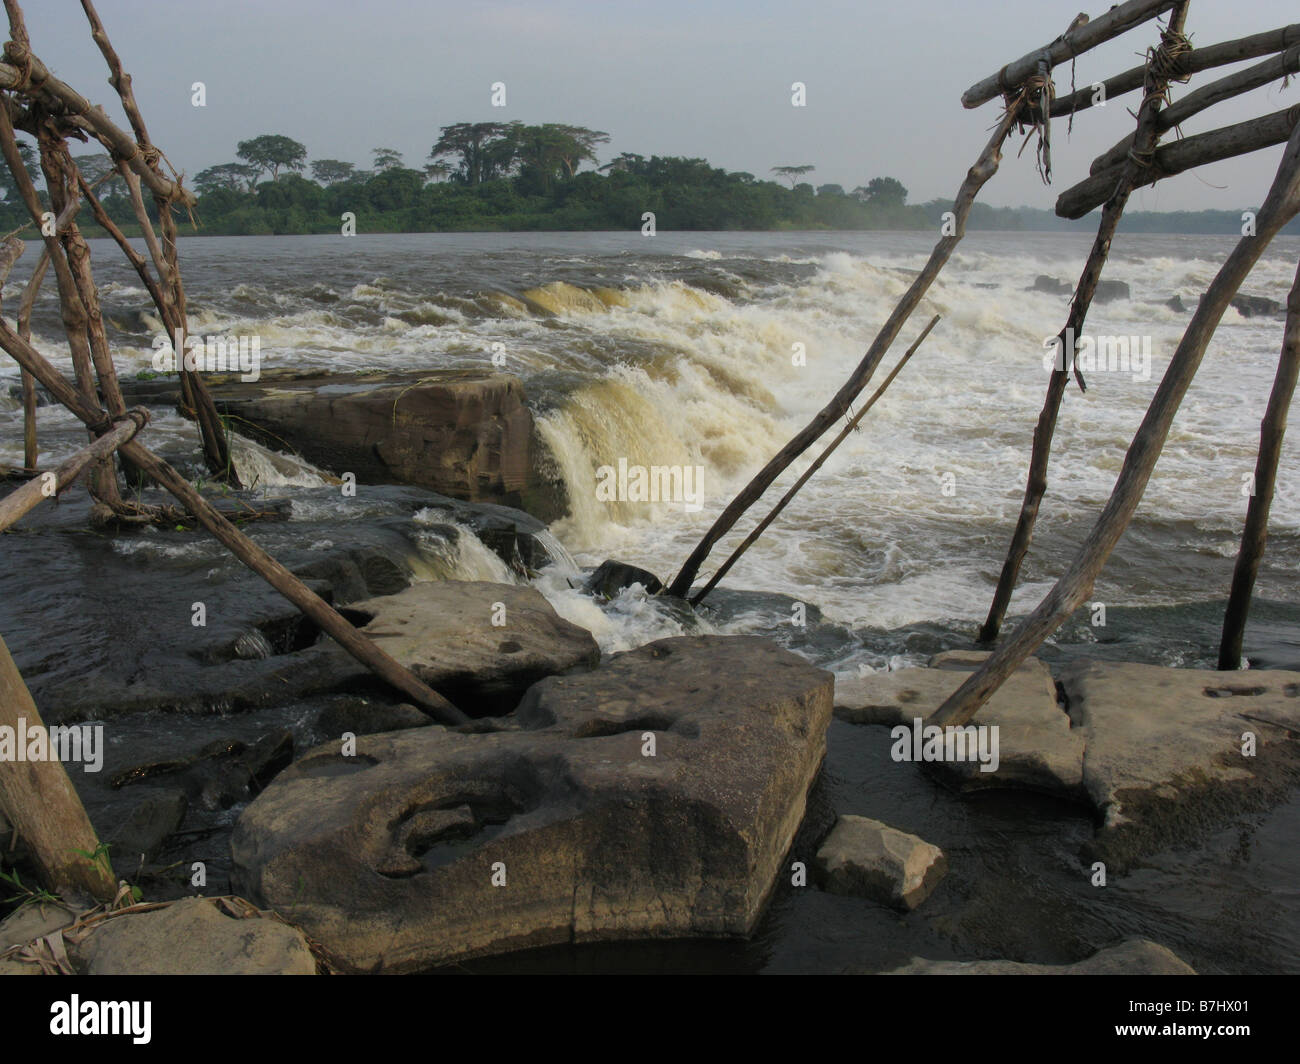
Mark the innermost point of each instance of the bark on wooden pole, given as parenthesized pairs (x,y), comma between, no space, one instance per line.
(775,512)
(1225,143)
(1074,587)
(1116,21)
(40,801)
(1271,433)
(1198,59)
(978,175)
(1146,137)
(1280,66)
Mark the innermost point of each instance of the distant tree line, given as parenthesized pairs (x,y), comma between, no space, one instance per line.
(514,176)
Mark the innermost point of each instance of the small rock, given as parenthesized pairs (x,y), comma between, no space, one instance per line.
(1137,956)
(866,858)
(608,580)
(1176,303)
(193,937)
(146,828)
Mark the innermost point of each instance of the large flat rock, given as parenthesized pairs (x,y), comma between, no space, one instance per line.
(1136,956)
(1036,747)
(430,845)
(447,633)
(1164,747)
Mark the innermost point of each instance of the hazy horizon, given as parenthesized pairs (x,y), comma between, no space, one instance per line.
(704,79)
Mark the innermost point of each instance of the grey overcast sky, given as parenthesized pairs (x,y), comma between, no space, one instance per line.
(706,78)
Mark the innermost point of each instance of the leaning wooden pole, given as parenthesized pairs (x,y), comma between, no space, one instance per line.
(1160,61)
(330,621)
(1271,433)
(776,510)
(40,801)
(978,175)
(49,485)
(1074,587)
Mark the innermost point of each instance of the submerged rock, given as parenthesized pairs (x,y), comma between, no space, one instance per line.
(140,837)
(478,644)
(1137,956)
(196,936)
(869,859)
(654,797)
(1257,306)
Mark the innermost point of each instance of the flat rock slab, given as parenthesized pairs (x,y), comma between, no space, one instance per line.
(1137,956)
(653,797)
(33,921)
(869,859)
(479,644)
(1036,747)
(196,936)
(1164,747)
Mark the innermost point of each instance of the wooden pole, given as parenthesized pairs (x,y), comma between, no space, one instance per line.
(1271,433)
(808,473)
(1239,139)
(1280,66)
(216,447)
(1192,62)
(1119,19)
(1074,587)
(1146,136)
(40,801)
(326,617)
(26,498)
(978,175)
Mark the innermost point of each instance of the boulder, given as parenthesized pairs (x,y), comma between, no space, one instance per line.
(1164,747)
(1037,748)
(465,433)
(195,936)
(869,859)
(1136,956)
(447,633)
(656,796)
(611,577)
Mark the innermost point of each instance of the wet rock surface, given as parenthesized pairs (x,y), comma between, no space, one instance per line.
(431,845)
(479,644)
(1133,957)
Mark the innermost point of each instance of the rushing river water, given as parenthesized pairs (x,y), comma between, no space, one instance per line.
(684,350)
